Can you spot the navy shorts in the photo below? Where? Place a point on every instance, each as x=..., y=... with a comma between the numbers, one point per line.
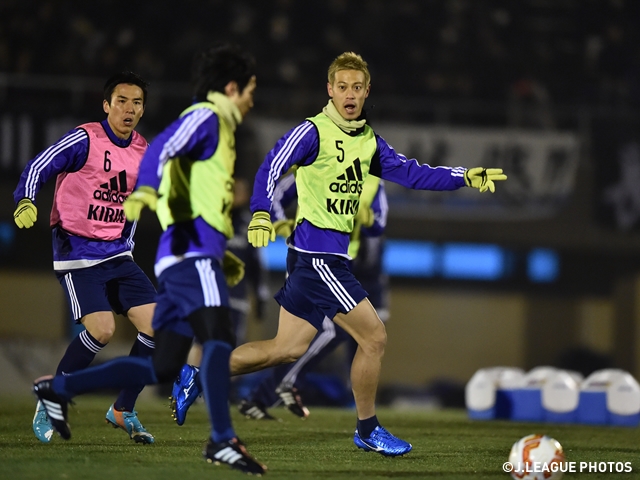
x=185, y=287
x=115, y=285
x=319, y=285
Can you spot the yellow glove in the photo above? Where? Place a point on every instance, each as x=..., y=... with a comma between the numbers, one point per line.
x=365, y=216
x=140, y=198
x=233, y=268
x=261, y=230
x=26, y=213
x=284, y=228
x=483, y=178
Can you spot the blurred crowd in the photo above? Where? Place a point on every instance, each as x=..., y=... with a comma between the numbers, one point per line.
x=560, y=51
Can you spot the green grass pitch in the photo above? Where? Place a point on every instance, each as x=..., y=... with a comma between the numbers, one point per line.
x=446, y=445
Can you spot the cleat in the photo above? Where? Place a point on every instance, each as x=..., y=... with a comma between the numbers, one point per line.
x=56, y=407
x=255, y=410
x=41, y=424
x=381, y=441
x=128, y=421
x=292, y=400
x=233, y=453
x=184, y=393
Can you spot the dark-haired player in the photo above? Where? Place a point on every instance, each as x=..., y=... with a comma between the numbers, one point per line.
x=96, y=167
x=187, y=177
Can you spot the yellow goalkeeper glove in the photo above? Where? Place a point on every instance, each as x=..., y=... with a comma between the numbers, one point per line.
x=365, y=216
x=261, y=230
x=140, y=198
x=483, y=178
x=233, y=268
x=26, y=213
x=284, y=228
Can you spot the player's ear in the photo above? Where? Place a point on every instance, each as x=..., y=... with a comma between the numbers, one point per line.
x=231, y=88
x=329, y=89
x=105, y=106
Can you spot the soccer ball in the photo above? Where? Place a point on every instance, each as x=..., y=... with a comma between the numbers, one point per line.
x=536, y=457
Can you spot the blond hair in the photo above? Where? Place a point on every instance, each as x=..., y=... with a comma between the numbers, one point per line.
x=349, y=61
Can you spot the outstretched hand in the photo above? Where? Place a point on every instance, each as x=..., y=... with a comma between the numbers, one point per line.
x=483, y=178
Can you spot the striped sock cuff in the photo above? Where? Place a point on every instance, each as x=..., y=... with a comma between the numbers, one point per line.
x=89, y=342
x=146, y=340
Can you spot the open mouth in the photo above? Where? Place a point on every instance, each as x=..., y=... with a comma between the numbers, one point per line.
x=350, y=108
x=128, y=121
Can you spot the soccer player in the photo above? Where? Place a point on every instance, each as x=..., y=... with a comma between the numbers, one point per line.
x=187, y=388
x=96, y=166
x=334, y=152
x=190, y=165
x=282, y=384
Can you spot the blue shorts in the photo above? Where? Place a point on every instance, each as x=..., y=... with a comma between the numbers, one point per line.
x=115, y=285
x=318, y=285
x=185, y=287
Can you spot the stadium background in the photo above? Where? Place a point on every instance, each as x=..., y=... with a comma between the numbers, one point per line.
x=547, y=89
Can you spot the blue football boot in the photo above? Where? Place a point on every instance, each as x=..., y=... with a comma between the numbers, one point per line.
x=383, y=442
x=128, y=421
x=41, y=424
x=184, y=393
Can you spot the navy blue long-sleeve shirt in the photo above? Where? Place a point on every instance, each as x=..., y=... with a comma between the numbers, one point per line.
x=194, y=136
x=300, y=147
x=69, y=154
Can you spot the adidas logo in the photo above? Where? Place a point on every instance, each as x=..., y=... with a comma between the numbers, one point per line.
x=114, y=189
x=351, y=180
x=228, y=455
x=113, y=182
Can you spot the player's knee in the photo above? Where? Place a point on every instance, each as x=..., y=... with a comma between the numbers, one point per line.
x=102, y=332
x=141, y=317
x=375, y=343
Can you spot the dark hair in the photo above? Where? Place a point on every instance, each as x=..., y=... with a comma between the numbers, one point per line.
x=215, y=67
x=129, y=78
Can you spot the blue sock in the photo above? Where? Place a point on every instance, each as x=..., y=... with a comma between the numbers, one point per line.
x=121, y=372
x=215, y=380
x=366, y=426
x=142, y=347
x=80, y=353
